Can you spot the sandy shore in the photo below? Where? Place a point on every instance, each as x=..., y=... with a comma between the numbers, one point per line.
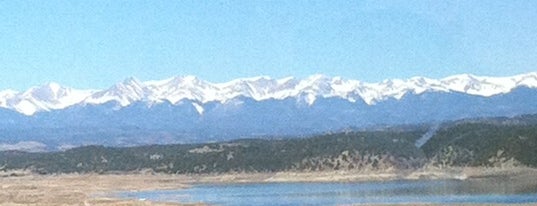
x=93, y=189
x=80, y=189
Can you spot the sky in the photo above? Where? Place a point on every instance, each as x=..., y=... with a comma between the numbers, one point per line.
x=96, y=43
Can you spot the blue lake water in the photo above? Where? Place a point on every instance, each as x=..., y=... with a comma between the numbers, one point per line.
x=390, y=192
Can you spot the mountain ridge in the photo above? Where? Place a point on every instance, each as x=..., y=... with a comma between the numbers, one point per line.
x=52, y=96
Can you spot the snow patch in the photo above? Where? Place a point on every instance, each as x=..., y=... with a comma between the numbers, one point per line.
x=199, y=108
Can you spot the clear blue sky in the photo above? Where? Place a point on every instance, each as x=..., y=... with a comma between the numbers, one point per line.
x=96, y=43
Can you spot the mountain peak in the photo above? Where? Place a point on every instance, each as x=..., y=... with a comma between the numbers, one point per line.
x=131, y=81
x=124, y=93
x=49, y=96
x=318, y=77
x=187, y=78
x=286, y=80
x=48, y=92
x=53, y=86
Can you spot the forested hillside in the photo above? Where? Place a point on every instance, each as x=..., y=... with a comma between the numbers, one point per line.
x=334, y=151
x=484, y=144
x=497, y=142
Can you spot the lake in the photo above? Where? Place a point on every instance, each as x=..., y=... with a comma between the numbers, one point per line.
x=390, y=192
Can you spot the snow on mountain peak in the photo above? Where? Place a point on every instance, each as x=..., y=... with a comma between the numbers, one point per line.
x=132, y=81
x=8, y=93
x=286, y=80
x=181, y=87
x=479, y=85
x=125, y=93
x=5, y=96
x=528, y=80
x=50, y=92
x=46, y=97
x=53, y=96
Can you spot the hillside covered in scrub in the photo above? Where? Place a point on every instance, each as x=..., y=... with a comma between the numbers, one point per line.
x=494, y=142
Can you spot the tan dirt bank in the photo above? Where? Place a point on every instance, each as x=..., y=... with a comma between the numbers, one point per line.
x=93, y=189
x=80, y=189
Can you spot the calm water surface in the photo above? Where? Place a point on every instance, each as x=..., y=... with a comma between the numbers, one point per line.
x=420, y=191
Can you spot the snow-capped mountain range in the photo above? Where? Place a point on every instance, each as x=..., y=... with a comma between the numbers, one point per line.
x=52, y=96
x=187, y=109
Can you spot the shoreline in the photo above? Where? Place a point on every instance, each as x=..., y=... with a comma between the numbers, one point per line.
x=97, y=189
